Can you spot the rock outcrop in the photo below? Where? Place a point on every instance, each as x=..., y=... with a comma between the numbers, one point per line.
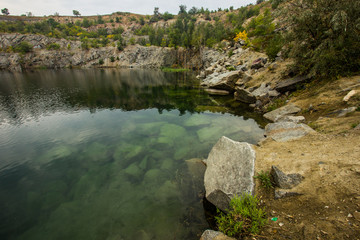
x=70, y=54
x=229, y=172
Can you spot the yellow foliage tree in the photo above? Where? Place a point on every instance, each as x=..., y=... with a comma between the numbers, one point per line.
x=241, y=35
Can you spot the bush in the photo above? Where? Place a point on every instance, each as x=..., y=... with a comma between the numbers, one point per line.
x=325, y=39
x=23, y=47
x=243, y=218
x=101, y=61
x=53, y=46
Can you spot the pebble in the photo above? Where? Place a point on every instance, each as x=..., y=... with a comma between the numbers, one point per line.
x=350, y=215
x=281, y=224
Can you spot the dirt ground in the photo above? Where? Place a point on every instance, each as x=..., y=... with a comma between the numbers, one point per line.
x=329, y=204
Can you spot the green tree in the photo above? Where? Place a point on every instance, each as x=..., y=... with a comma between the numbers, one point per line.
x=76, y=13
x=325, y=36
x=182, y=10
x=5, y=11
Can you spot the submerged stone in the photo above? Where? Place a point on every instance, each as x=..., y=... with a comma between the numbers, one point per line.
x=55, y=153
x=169, y=133
x=134, y=171
x=125, y=151
x=97, y=152
x=197, y=120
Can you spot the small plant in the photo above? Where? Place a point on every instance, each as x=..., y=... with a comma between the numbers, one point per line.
x=101, y=61
x=265, y=179
x=354, y=125
x=53, y=46
x=243, y=218
x=112, y=59
x=231, y=68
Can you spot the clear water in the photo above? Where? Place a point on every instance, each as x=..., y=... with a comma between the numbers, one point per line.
x=108, y=154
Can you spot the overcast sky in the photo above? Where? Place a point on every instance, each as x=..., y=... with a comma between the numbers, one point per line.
x=102, y=7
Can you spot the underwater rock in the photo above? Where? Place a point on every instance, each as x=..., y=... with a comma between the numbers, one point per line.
x=134, y=171
x=169, y=133
x=125, y=151
x=97, y=152
x=197, y=120
x=55, y=153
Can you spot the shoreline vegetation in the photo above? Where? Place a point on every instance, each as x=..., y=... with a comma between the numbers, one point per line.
x=275, y=54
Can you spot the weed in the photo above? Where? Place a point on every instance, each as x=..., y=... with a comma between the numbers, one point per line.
x=243, y=218
x=276, y=104
x=101, y=61
x=265, y=179
x=354, y=125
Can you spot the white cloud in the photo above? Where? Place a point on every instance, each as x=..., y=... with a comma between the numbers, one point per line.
x=94, y=7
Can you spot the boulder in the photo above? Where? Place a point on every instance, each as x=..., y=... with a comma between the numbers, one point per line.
x=244, y=96
x=214, y=235
x=279, y=113
x=343, y=112
x=287, y=131
x=285, y=181
x=291, y=84
x=245, y=78
x=258, y=63
x=229, y=172
x=262, y=91
x=217, y=92
x=225, y=81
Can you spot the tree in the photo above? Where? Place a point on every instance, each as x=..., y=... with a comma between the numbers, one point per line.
x=325, y=36
x=5, y=11
x=76, y=13
x=182, y=10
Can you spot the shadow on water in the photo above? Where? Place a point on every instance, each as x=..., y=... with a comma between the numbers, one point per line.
x=109, y=154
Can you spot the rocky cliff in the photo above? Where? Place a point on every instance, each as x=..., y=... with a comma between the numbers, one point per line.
x=70, y=54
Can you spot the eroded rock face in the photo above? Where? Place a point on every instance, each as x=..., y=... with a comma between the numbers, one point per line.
x=229, y=172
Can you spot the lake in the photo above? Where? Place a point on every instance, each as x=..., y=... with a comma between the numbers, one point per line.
x=109, y=154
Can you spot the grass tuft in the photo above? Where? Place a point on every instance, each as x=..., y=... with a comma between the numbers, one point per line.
x=243, y=218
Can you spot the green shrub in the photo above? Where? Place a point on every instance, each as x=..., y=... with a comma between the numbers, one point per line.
x=112, y=59
x=53, y=46
x=101, y=61
x=23, y=47
x=243, y=218
x=265, y=179
x=274, y=46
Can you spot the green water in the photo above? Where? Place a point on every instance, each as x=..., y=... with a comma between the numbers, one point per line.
x=108, y=154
